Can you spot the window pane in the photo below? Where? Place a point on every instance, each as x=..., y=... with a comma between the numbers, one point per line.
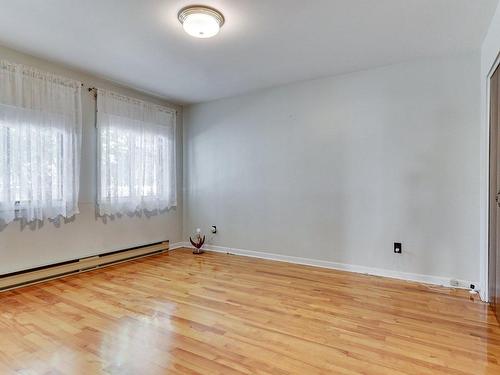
x=31, y=164
x=137, y=155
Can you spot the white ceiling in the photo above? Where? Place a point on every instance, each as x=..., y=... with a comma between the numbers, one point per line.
x=264, y=42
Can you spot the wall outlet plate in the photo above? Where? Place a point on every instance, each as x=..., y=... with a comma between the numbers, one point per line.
x=398, y=248
x=462, y=284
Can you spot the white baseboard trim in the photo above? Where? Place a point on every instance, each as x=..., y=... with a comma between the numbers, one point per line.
x=425, y=279
x=178, y=245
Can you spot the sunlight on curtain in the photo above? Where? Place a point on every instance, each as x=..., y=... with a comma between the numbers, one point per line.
x=137, y=169
x=40, y=134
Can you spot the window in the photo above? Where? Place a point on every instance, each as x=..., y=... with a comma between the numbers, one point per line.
x=40, y=126
x=17, y=176
x=136, y=155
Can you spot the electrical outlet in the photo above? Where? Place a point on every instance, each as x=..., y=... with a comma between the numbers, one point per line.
x=398, y=249
x=213, y=229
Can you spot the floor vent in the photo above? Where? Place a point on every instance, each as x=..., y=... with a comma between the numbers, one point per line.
x=40, y=274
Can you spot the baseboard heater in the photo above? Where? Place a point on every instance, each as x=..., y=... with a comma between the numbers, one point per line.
x=36, y=275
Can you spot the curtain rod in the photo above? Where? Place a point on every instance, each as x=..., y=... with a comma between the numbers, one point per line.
x=94, y=91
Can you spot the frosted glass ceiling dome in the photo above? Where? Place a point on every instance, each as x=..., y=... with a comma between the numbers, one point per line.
x=201, y=21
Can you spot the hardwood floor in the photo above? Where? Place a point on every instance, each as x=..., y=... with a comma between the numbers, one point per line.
x=224, y=314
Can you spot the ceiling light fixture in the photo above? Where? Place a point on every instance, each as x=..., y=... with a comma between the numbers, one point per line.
x=201, y=21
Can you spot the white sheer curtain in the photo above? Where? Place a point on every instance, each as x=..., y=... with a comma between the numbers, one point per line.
x=40, y=128
x=136, y=141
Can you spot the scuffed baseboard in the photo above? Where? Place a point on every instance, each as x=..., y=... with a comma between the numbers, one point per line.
x=426, y=279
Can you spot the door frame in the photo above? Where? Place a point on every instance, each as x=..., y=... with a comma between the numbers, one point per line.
x=485, y=190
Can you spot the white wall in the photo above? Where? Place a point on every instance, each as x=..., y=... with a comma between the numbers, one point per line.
x=86, y=234
x=489, y=53
x=339, y=168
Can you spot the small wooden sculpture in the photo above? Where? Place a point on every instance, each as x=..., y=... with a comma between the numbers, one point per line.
x=197, y=242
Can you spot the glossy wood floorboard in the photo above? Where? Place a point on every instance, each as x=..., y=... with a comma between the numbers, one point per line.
x=224, y=314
